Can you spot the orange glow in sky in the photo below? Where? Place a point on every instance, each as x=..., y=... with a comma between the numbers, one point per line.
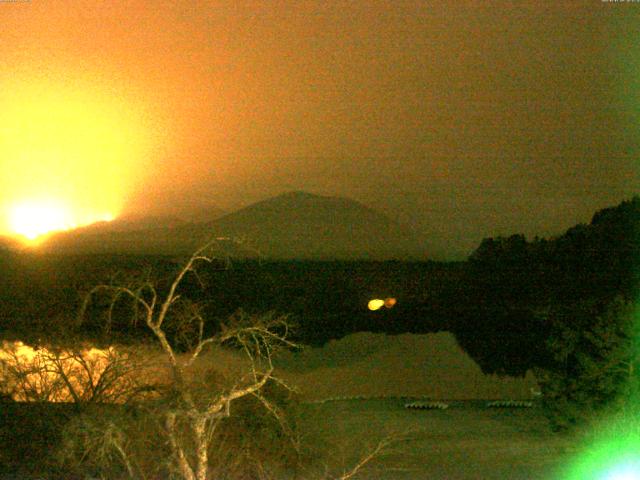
x=69, y=155
x=33, y=219
x=146, y=107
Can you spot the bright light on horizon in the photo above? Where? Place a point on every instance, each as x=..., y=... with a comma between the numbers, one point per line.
x=32, y=219
x=70, y=156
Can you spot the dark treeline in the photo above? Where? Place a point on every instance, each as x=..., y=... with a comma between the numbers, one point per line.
x=515, y=289
x=500, y=303
x=325, y=299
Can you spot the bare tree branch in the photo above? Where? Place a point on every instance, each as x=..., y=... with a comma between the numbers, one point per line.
x=191, y=416
x=380, y=448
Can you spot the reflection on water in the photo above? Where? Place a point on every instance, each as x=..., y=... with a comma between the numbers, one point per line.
x=73, y=374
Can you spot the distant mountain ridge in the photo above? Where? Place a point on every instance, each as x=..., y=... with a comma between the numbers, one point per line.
x=124, y=224
x=294, y=225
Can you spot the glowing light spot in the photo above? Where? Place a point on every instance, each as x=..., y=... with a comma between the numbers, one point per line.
x=390, y=302
x=624, y=471
x=33, y=219
x=615, y=456
x=69, y=155
x=375, y=304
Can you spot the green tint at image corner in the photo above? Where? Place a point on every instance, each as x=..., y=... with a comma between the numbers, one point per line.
x=613, y=453
x=611, y=459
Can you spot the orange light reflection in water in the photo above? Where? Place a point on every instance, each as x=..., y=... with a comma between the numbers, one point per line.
x=29, y=374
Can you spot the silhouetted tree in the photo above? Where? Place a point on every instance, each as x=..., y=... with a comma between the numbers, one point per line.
x=595, y=361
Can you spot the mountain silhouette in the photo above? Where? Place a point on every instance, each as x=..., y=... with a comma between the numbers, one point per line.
x=294, y=225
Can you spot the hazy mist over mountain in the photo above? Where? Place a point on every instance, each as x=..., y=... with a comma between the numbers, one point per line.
x=294, y=225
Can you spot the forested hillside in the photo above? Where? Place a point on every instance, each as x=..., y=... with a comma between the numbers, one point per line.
x=511, y=285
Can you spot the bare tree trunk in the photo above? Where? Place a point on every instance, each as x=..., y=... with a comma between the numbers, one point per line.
x=202, y=444
x=183, y=464
x=257, y=337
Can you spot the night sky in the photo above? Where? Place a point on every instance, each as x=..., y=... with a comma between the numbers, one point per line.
x=463, y=119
